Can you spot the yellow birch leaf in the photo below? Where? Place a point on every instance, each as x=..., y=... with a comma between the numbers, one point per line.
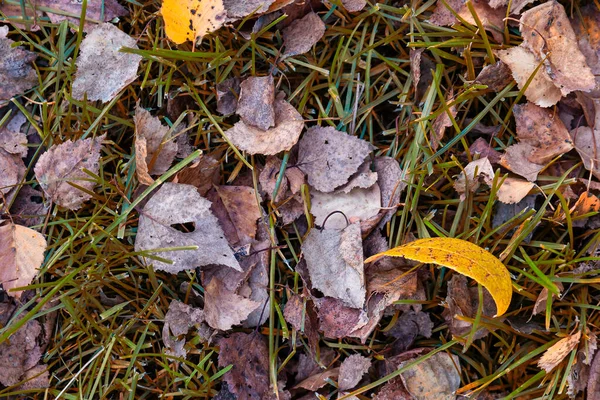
x=190, y=19
x=463, y=257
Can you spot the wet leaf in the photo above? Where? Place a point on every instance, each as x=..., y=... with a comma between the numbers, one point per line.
x=255, y=105
x=224, y=308
x=557, y=353
x=352, y=370
x=160, y=226
x=302, y=34
x=21, y=254
x=463, y=257
x=191, y=19
x=102, y=69
x=17, y=74
x=63, y=165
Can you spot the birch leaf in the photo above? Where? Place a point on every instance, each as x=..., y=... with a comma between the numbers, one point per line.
x=463, y=257
x=190, y=19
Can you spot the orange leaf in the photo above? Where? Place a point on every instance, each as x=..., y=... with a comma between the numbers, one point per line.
x=463, y=257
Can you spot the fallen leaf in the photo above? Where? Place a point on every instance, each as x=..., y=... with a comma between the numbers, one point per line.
x=255, y=105
x=490, y=18
x=495, y=76
x=516, y=159
x=390, y=179
x=203, y=174
x=409, y=326
x=540, y=302
x=239, y=213
x=555, y=354
x=309, y=365
x=513, y=190
x=13, y=171
x=593, y=384
x=587, y=144
x=37, y=377
x=393, y=390
x=228, y=92
x=335, y=263
x=302, y=34
x=482, y=147
x=191, y=19
x=357, y=205
x=224, y=308
x=442, y=121
x=268, y=179
x=240, y=9
x=471, y=177
x=12, y=140
x=174, y=205
x=585, y=25
x=319, y=380
x=102, y=69
x=285, y=134
x=352, y=370
x=464, y=257
x=436, y=378
x=17, y=74
x=354, y=5
x=363, y=178
x=95, y=11
x=256, y=287
x=302, y=316
x=28, y=207
x=336, y=320
x=586, y=203
x=515, y=7
x=21, y=254
x=27, y=15
x=179, y=319
x=154, y=149
x=329, y=157
x=62, y=166
x=21, y=353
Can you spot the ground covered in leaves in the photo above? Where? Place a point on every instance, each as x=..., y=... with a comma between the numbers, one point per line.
x=189, y=191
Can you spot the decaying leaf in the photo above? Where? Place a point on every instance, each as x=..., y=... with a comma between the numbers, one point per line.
x=352, y=370
x=240, y=9
x=63, y=165
x=495, y=76
x=318, y=380
x=191, y=19
x=12, y=140
x=516, y=159
x=513, y=190
x=228, y=92
x=555, y=354
x=484, y=149
x=179, y=319
x=593, y=384
x=587, y=144
x=303, y=317
x=354, y=5
x=21, y=254
x=463, y=257
x=337, y=320
x=586, y=203
x=330, y=157
x=28, y=207
x=491, y=19
x=255, y=105
x=284, y=135
x=302, y=34
x=393, y=390
x=471, y=177
x=16, y=75
x=96, y=10
x=585, y=24
x=335, y=262
x=172, y=206
x=237, y=211
x=13, y=170
x=410, y=325
x=20, y=354
x=154, y=149
x=102, y=70
x=203, y=174
x=436, y=378
x=224, y=308
x=515, y=7
x=359, y=204
x=442, y=122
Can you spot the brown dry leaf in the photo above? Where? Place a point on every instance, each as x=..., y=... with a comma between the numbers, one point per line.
x=179, y=319
x=302, y=34
x=587, y=144
x=330, y=157
x=228, y=93
x=593, y=384
x=96, y=10
x=224, y=308
x=15, y=12
x=21, y=254
x=471, y=177
x=285, y=134
x=516, y=159
x=393, y=390
x=191, y=19
x=16, y=75
x=515, y=7
x=540, y=302
x=37, y=377
x=241, y=9
x=268, y=179
x=491, y=19
x=495, y=76
x=160, y=226
x=255, y=105
x=513, y=190
x=154, y=149
x=21, y=353
x=239, y=214
x=12, y=140
x=102, y=70
x=363, y=178
x=482, y=147
x=436, y=378
x=555, y=354
x=357, y=205
x=354, y=5
x=63, y=165
x=336, y=320
x=203, y=174
x=303, y=317
x=13, y=171
x=390, y=179
x=352, y=370
x=28, y=207
x=442, y=122
x=256, y=286
x=334, y=259
x=318, y=380
x=585, y=24
x=410, y=325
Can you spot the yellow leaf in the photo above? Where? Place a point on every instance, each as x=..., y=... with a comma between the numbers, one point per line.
x=463, y=257
x=190, y=19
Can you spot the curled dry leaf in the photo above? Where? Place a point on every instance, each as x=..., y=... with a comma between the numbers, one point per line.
x=154, y=150
x=352, y=370
x=102, y=69
x=191, y=19
x=96, y=11
x=335, y=263
x=474, y=173
x=357, y=205
x=540, y=302
x=21, y=254
x=330, y=157
x=284, y=135
x=63, y=165
x=555, y=354
x=436, y=378
x=513, y=190
x=224, y=308
x=16, y=73
x=160, y=226
x=255, y=105
x=302, y=34
x=12, y=140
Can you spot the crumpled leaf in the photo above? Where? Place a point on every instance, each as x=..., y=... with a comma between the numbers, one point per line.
x=284, y=135
x=102, y=70
x=463, y=257
x=334, y=259
x=513, y=190
x=224, y=308
x=191, y=19
x=16, y=75
x=471, y=177
x=63, y=164
x=352, y=370
x=255, y=105
x=330, y=157
x=557, y=353
x=357, y=205
x=175, y=204
x=96, y=10
x=154, y=150
x=12, y=140
x=21, y=254
x=436, y=378
x=302, y=34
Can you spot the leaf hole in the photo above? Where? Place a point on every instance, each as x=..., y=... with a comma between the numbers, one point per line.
x=186, y=227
